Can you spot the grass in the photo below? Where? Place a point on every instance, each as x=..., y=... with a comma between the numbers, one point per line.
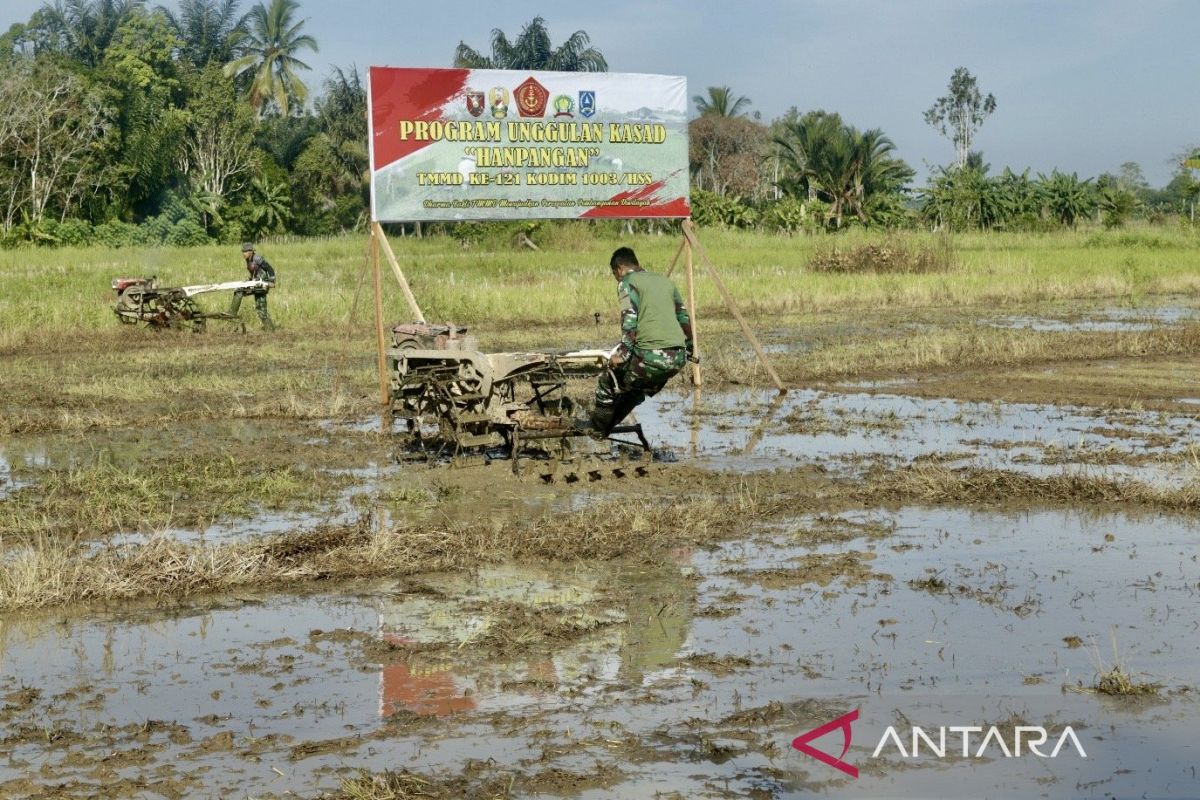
x=406, y=785
x=55, y=292
x=69, y=366
x=102, y=498
x=1115, y=680
x=50, y=571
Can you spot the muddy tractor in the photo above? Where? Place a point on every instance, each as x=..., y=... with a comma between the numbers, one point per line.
x=454, y=400
x=141, y=301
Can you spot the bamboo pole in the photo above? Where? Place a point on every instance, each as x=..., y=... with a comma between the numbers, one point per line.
x=380, y=339
x=692, y=310
x=733, y=307
x=382, y=241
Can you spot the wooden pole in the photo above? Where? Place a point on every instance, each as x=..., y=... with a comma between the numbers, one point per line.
x=733, y=308
x=362, y=279
x=693, y=311
x=380, y=339
x=381, y=241
x=675, y=260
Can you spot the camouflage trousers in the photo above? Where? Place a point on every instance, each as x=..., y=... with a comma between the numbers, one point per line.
x=625, y=387
x=260, y=306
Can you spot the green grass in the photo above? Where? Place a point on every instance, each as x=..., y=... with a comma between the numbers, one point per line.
x=101, y=498
x=56, y=292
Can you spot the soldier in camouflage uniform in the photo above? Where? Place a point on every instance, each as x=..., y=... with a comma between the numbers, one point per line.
x=260, y=270
x=656, y=341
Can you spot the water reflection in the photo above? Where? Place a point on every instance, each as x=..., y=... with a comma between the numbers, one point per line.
x=641, y=618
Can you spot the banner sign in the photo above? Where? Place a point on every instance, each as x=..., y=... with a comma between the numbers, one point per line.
x=459, y=144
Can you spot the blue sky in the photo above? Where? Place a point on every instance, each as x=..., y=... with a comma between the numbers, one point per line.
x=1080, y=85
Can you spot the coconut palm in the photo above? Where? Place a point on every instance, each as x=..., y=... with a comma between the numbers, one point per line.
x=269, y=47
x=84, y=28
x=823, y=157
x=533, y=50
x=207, y=29
x=720, y=102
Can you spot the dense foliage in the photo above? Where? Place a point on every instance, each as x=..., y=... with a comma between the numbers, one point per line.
x=125, y=123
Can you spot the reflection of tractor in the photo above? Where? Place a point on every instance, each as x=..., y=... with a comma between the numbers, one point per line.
x=454, y=398
x=142, y=300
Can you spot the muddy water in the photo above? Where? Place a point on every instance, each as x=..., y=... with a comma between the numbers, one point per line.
x=759, y=430
x=690, y=678
x=1107, y=319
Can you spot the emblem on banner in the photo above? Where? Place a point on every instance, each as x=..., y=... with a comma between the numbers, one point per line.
x=498, y=97
x=587, y=103
x=474, y=102
x=563, y=106
x=531, y=98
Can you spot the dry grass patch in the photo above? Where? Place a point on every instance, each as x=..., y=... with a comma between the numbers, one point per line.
x=47, y=571
x=894, y=254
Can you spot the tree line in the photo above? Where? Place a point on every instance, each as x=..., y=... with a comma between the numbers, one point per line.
x=122, y=123
x=812, y=171
x=126, y=123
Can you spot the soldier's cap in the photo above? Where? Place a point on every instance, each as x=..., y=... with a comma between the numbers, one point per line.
x=247, y=247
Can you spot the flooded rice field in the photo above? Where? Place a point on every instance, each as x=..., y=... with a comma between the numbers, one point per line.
x=686, y=679
x=803, y=627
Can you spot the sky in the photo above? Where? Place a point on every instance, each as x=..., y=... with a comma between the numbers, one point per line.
x=1080, y=85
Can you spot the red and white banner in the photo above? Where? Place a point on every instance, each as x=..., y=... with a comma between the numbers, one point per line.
x=458, y=144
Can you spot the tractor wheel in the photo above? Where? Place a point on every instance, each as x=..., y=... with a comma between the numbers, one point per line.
x=130, y=299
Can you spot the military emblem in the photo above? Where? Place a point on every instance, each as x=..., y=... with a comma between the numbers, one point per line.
x=587, y=103
x=531, y=98
x=498, y=98
x=563, y=106
x=474, y=102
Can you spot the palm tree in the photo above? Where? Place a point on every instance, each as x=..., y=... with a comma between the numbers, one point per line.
x=85, y=28
x=342, y=114
x=272, y=205
x=533, y=51
x=269, y=49
x=207, y=29
x=824, y=158
x=720, y=102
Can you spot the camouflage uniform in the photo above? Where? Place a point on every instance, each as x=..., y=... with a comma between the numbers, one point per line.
x=260, y=270
x=653, y=314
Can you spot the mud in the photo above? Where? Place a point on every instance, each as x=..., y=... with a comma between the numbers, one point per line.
x=785, y=574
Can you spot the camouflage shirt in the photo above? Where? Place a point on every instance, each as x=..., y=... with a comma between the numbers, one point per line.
x=653, y=316
x=260, y=269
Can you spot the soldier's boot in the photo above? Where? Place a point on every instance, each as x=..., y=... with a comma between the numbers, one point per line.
x=602, y=421
x=624, y=405
x=260, y=305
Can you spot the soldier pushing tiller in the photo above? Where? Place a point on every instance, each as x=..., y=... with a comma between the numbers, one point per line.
x=656, y=341
x=260, y=270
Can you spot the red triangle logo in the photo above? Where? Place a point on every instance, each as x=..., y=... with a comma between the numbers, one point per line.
x=801, y=743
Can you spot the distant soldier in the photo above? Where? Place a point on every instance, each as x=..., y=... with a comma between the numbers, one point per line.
x=260, y=270
x=656, y=341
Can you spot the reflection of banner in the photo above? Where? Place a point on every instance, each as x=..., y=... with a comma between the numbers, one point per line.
x=451, y=144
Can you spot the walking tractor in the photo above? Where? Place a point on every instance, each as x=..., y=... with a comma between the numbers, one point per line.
x=142, y=300
x=456, y=401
